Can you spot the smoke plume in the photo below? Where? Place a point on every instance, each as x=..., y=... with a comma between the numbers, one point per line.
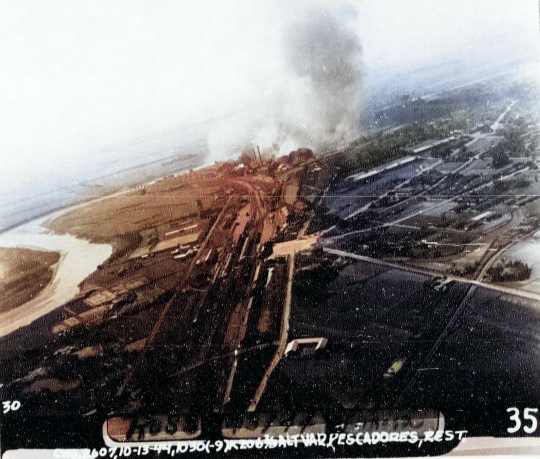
x=316, y=103
x=328, y=56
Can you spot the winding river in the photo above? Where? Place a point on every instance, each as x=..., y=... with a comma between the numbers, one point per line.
x=79, y=258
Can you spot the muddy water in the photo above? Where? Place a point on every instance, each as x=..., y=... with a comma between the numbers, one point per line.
x=79, y=258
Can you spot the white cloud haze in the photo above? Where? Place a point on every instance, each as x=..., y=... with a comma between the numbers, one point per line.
x=79, y=77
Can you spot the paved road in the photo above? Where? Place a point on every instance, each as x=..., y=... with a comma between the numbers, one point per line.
x=426, y=272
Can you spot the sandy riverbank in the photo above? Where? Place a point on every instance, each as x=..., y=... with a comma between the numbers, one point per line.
x=23, y=274
x=152, y=205
x=98, y=223
x=79, y=258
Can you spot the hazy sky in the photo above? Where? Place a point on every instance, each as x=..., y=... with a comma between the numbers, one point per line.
x=79, y=76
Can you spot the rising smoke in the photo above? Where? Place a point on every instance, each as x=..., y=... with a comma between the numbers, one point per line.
x=315, y=104
x=328, y=55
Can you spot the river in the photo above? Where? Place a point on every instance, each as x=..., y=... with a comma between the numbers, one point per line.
x=79, y=258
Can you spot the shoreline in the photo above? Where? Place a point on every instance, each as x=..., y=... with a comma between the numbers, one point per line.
x=10, y=317
x=45, y=214
x=64, y=285
x=54, y=296
x=82, y=200
x=24, y=273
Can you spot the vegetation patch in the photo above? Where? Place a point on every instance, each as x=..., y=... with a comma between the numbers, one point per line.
x=509, y=271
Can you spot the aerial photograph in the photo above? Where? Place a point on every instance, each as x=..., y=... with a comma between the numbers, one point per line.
x=269, y=228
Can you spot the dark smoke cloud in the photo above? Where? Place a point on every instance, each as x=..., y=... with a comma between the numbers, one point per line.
x=315, y=103
x=328, y=54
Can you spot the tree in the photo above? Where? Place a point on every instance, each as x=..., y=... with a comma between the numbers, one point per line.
x=500, y=159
